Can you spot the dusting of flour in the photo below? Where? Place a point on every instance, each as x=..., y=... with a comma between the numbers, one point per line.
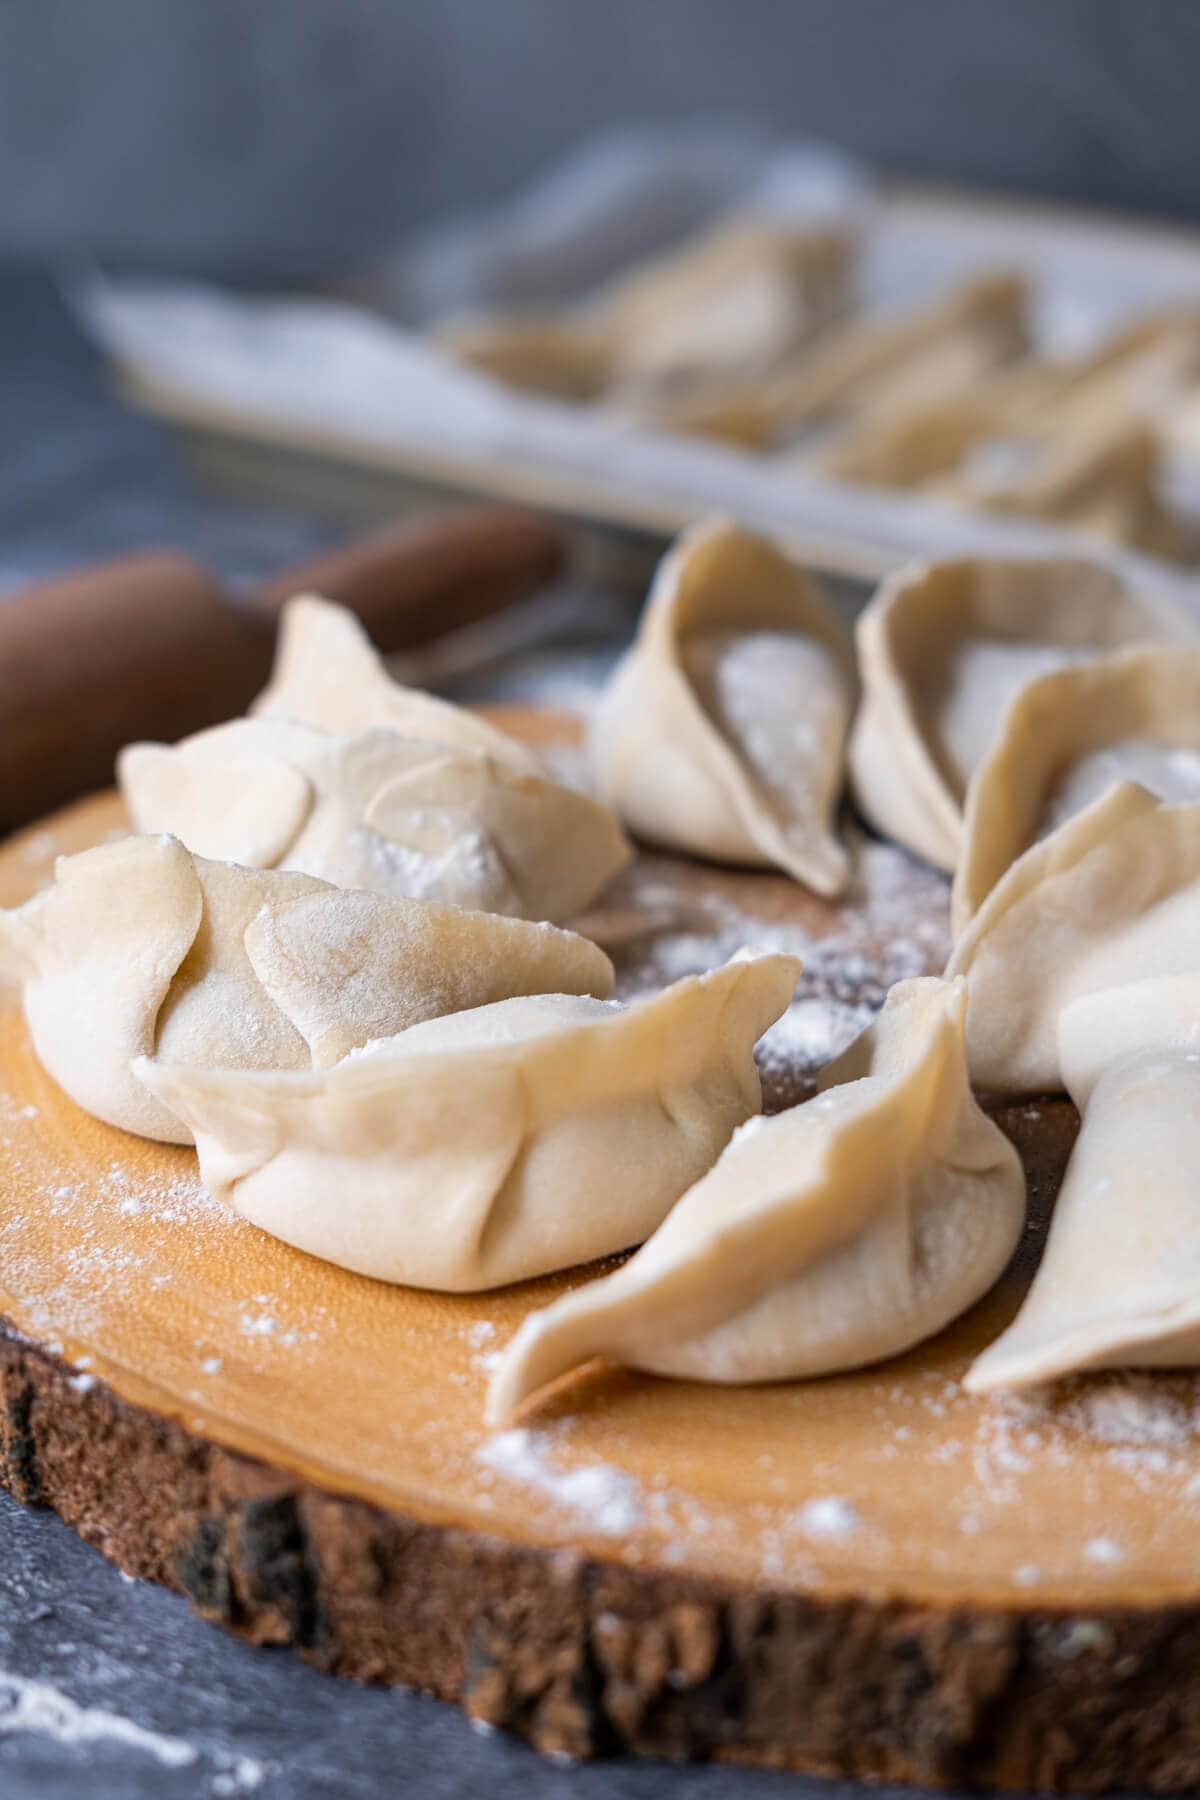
x=658, y=926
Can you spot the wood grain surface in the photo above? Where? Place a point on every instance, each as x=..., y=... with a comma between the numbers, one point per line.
x=873, y=1574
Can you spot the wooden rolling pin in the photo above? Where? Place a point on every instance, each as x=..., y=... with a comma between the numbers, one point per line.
x=150, y=646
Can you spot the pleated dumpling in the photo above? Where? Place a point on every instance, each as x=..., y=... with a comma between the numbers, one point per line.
x=907, y=447
x=1111, y=895
x=943, y=648
x=328, y=673
x=378, y=811
x=732, y=302
x=830, y=1236
x=538, y=352
x=1131, y=716
x=139, y=948
x=878, y=366
x=1104, y=478
x=722, y=731
x=492, y=1145
x=726, y=305
x=1119, y=1281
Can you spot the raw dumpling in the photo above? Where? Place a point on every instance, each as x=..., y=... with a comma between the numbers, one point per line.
x=943, y=648
x=540, y=353
x=833, y=1235
x=884, y=363
x=722, y=731
x=905, y=448
x=969, y=422
x=141, y=948
x=1065, y=739
x=1119, y=1282
x=731, y=410
x=492, y=1145
x=733, y=302
x=328, y=673
x=1110, y=896
x=1103, y=481
x=730, y=303
x=378, y=811
x=1141, y=368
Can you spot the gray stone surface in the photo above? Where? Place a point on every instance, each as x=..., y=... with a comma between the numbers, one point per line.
x=113, y=1690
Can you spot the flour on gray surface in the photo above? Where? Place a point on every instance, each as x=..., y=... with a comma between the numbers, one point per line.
x=245, y=1775
x=38, y=1707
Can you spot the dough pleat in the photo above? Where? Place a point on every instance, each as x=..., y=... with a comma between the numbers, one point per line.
x=722, y=732
x=1111, y=895
x=1066, y=737
x=944, y=648
x=833, y=1235
x=490, y=1146
x=1119, y=1281
x=379, y=811
x=140, y=949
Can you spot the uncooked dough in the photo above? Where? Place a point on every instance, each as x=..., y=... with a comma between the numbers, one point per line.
x=943, y=648
x=733, y=302
x=328, y=673
x=877, y=365
x=835, y=1234
x=378, y=811
x=1119, y=1282
x=727, y=305
x=140, y=948
x=1112, y=895
x=1065, y=739
x=722, y=731
x=494, y=1145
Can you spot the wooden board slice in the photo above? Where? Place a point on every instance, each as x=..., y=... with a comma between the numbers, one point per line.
x=872, y=1575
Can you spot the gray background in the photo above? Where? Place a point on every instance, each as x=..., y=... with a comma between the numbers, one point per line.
x=269, y=138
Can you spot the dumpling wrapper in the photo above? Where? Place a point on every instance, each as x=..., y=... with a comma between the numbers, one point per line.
x=328, y=673
x=830, y=1236
x=495, y=1145
x=1119, y=1281
x=1065, y=739
x=1141, y=368
x=539, y=353
x=380, y=812
x=731, y=409
x=721, y=733
x=731, y=301
x=906, y=447
x=1081, y=451
x=944, y=647
x=734, y=300
x=141, y=949
x=882, y=363
x=1105, y=480
x=1111, y=896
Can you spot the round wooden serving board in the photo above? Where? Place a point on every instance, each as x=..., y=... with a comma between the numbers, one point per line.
x=872, y=1575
